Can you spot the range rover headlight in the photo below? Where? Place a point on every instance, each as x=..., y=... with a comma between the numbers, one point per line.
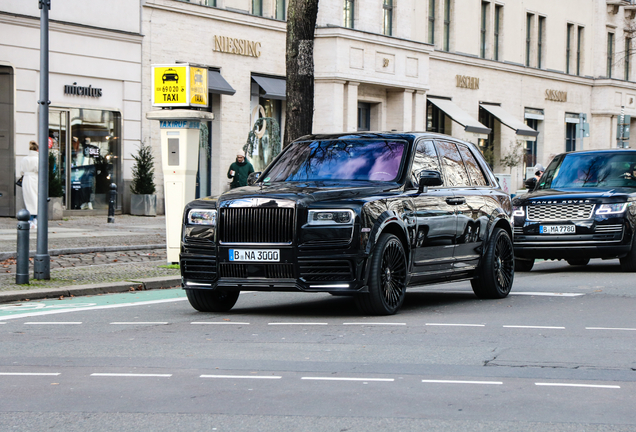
x=330, y=217
x=611, y=208
x=518, y=211
x=202, y=217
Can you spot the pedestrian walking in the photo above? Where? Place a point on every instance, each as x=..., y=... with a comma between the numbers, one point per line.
x=239, y=171
x=29, y=169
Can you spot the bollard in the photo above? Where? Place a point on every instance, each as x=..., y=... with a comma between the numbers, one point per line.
x=22, y=260
x=111, y=203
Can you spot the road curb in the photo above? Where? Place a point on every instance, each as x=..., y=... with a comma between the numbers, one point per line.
x=69, y=251
x=92, y=289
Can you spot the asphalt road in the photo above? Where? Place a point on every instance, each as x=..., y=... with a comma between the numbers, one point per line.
x=557, y=355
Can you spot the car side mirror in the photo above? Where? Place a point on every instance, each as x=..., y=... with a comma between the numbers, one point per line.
x=429, y=178
x=251, y=179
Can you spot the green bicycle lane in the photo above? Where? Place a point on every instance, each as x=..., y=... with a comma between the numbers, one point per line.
x=33, y=308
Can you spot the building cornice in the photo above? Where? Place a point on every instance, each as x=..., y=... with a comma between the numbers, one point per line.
x=373, y=38
x=71, y=28
x=218, y=14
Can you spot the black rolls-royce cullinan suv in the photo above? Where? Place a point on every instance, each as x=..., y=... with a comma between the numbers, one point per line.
x=581, y=208
x=364, y=214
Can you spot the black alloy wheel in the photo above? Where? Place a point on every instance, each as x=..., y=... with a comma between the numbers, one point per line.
x=216, y=300
x=387, y=279
x=578, y=261
x=523, y=265
x=497, y=271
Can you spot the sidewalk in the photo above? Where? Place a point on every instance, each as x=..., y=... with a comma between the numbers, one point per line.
x=91, y=256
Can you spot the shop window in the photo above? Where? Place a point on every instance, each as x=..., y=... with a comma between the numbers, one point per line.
x=435, y=119
x=86, y=147
x=257, y=7
x=610, y=54
x=281, y=10
x=364, y=116
x=571, y=120
x=387, y=17
x=498, y=31
x=530, y=156
x=447, y=25
x=431, y=21
x=348, y=12
x=487, y=145
x=264, y=139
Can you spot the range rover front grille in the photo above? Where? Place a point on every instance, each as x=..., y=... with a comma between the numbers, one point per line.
x=268, y=271
x=325, y=271
x=560, y=212
x=256, y=225
x=199, y=268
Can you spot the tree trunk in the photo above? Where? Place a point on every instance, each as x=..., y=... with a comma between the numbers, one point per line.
x=299, y=55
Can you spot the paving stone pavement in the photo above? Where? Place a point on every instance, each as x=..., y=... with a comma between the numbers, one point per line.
x=85, y=233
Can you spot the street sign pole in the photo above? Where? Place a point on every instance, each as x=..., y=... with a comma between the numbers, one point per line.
x=42, y=260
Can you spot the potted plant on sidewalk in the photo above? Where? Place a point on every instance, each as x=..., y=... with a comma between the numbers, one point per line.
x=143, y=200
x=56, y=190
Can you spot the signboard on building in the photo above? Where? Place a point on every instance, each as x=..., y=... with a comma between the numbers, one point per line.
x=179, y=85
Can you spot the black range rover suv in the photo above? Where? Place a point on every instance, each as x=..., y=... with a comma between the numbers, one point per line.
x=581, y=208
x=363, y=214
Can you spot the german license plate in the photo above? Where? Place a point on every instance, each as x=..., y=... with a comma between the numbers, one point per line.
x=557, y=229
x=255, y=255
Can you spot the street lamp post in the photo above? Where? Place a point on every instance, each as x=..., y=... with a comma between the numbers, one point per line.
x=42, y=261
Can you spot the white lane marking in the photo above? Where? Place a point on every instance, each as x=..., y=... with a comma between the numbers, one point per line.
x=462, y=382
x=297, y=323
x=29, y=374
x=143, y=303
x=130, y=375
x=51, y=323
x=547, y=294
x=241, y=376
x=578, y=385
x=456, y=325
x=534, y=327
x=221, y=322
x=138, y=322
x=610, y=328
x=374, y=324
x=348, y=379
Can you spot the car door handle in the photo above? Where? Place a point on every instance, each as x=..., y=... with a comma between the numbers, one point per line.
x=456, y=200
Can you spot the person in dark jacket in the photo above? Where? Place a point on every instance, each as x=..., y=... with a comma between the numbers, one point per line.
x=239, y=170
x=531, y=183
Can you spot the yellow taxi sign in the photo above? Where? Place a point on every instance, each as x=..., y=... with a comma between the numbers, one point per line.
x=179, y=85
x=198, y=86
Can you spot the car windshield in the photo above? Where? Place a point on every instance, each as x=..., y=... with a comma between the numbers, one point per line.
x=363, y=160
x=585, y=170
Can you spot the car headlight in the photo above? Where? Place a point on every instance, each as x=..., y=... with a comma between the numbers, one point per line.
x=611, y=208
x=202, y=217
x=518, y=211
x=330, y=217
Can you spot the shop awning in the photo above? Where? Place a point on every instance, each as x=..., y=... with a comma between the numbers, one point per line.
x=509, y=120
x=218, y=85
x=274, y=88
x=460, y=116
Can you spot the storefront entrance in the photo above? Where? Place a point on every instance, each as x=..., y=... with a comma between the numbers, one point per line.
x=85, y=155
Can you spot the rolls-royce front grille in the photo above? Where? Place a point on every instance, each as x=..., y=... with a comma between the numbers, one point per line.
x=268, y=271
x=560, y=212
x=256, y=225
x=325, y=271
x=199, y=268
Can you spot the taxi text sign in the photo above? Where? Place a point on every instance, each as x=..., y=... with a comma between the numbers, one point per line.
x=198, y=86
x=179, y=85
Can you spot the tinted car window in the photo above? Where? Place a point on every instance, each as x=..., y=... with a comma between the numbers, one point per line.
x=370, y=160
x=425, y=159
x=474, y=171
x=454, y=170
x=584, y=170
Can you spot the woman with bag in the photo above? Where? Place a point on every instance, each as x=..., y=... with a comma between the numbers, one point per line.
x=29, y=171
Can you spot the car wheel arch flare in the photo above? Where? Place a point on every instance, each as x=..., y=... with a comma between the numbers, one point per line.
x=397, y=230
